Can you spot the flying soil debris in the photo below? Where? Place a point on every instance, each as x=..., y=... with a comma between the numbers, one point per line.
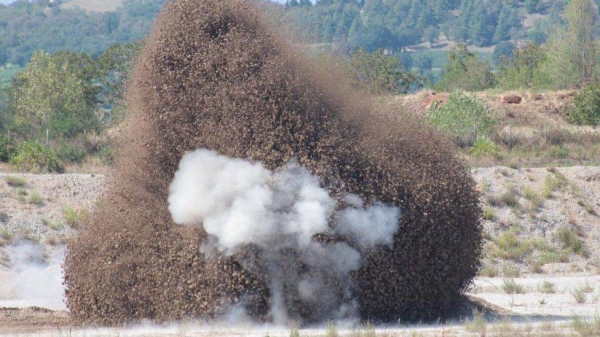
x=316, y=167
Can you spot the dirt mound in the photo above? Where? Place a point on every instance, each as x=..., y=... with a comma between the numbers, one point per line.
x=214, y=76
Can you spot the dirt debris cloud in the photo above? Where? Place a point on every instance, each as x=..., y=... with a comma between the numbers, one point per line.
x=214, y=75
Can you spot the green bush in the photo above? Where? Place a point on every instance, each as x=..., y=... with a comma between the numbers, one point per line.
x=70, y=153
x=106, y=154
x=571, y=242
x=35, y=157
x=484, y=147
x=587, y=107
x=7, y=149
x=465, y=118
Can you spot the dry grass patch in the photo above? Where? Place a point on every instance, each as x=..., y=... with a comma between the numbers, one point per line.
x=547, y=287
x=535, y=200
x=489, y=213
x=571, y=242
x=73, y=217
x=509, y=246
x=477, y=324
x=489, y=271
x=509, y=286
x=586, y=327
x=13, y=181
x=579, y=295
x=510, y=270
x=36, y=199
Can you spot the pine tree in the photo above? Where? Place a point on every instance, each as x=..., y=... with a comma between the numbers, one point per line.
x=480, y=29
x=531, y=6
x=503, y=28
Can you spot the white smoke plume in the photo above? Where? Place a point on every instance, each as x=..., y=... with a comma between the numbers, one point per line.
x=33, y=278
x=244, y=206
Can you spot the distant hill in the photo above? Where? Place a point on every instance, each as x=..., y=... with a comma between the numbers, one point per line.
x=29, y=26
x=94, y=5
x=409, y=27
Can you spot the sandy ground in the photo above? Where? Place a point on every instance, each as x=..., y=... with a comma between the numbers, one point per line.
x=30, y=262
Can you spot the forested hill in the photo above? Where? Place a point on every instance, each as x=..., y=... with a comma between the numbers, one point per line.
x=396, y=24
x=40, y=25
x=26, y=26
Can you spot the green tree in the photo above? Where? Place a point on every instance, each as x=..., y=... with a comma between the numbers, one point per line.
x=502, y=32
x=587, y=106
x=431, y=35
x=503, y=50
x=573, y=51
x=482, y=26
x=532, y=6
x=56, y=93
x=464, y=71
x=381, y=73
x=112, y=68
x=524, y=69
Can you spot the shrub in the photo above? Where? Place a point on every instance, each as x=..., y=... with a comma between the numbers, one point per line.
x=489, y=214
x=534, y=198
x=511, y=287
x=70, y=153
x=510, y=270
x=73, y=217
x=36, y=199
x=484, y=147
x=477, y=324
x=547, y=287
x=586, y=327
x=571, y=242
x=7, y=149
x=553, y=181
x=465, y=119
x=106, y=154
x=6, y=234
x=587, y=106
x=579, y=295
x=489, y=271
x=511, y=247
x=35, y=157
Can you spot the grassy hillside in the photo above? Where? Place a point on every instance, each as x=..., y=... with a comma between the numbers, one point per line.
x=94, y=5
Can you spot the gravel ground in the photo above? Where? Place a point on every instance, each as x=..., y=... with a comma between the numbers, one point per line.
x=35, y=215
x=574, y=204
x=36, y=210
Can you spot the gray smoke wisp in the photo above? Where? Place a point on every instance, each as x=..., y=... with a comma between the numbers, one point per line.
x=282, y=224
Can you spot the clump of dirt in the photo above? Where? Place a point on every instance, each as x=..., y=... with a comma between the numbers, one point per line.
x=214, y=75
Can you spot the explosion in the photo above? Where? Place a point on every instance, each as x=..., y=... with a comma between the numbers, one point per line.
x=252, y=177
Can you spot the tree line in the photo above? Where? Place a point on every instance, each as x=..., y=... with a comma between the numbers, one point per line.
x=397, y=24
x=28, y=26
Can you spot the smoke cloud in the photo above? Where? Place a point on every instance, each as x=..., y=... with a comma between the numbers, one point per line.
x=34, y=278
x=282, y=224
